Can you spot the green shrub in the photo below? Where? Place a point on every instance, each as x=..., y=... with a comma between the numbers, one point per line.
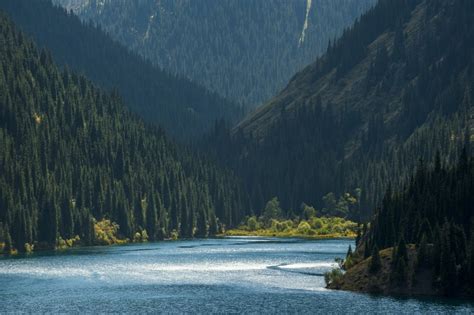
x=252, y=224
x=333, y=277
x=137, y=237
x=272, y=210
x=308, y=212
x=290, y=224
x=144, y=236
x=323, y=231
x=174, y=235
x=304, y=227
x=316, y=223
x=338, y=229
x=349, y=262
x=106, y=232
x=29, y=248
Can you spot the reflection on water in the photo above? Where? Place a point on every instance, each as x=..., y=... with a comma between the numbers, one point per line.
x=216, y=275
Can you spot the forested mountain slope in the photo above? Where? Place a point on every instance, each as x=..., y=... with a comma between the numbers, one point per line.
x=184, y=109
x=245, y=50
x=71, y=154
x=396, y=87
x=435, y=212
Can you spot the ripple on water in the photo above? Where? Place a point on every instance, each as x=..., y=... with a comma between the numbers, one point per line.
x=220, y=275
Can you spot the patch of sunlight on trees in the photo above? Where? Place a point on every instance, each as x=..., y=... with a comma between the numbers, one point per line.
x=37, y=117
x=105, y=232
x=64, y=243
x=311, y=223
x=140, y=237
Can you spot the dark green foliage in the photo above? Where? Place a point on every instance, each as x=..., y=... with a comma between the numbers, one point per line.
x=358, y=237
x=7, y=240
x=183, y=108
x=375, y=262
x=349, y=251
x=271, y=211
x=470, y=262
x=444, y=196
x=402, y=253
x=448, y=276
x=244, y=50
x=423, y=259
x=360, y=116
x=399, y=273
x=71, y=153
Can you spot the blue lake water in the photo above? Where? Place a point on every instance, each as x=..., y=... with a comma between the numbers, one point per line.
x=229, y=275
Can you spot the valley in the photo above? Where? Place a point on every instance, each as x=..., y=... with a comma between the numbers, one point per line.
x=237, y=156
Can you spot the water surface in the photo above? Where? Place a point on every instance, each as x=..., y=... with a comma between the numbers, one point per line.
x=232, y=275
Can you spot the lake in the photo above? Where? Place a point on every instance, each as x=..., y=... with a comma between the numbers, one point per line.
x=231, y=275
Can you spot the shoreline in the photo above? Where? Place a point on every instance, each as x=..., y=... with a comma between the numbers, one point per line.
x=44, y=249
x=269, y=233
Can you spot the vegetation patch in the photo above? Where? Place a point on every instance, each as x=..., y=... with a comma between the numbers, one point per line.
x=309, y=225
x=106, y=233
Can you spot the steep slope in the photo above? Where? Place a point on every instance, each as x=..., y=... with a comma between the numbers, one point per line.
x=245, y=50
x=435, y=211
x=396, y=87
x=71, y=153
x=184, y=109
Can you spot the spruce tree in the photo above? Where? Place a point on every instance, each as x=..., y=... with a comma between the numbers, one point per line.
x=422, y=253
x=375, y=262
x=349, y=251
x=402, y=253
x=470, y=261
x=401, y=272
x=8, y=240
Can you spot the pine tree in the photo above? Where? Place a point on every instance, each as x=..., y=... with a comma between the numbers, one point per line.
x=349, y=252
x=401, y=272
x=358, y=237
x=402, y=253
x=201, y=225
x=449, y=277
x=151, y=218
x=470, y=261
x=366, y=250
x=375, y=262
x=213, y=225
x=422, y=253
x=8, y=240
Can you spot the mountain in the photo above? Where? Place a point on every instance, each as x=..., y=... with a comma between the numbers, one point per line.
x=73, y=155
x=185, y=109
x=244, y=50
x=396, y=87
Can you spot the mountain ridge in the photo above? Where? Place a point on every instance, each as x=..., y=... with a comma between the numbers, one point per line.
x=185, y=109
x=394, y=88
x=243, y=50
